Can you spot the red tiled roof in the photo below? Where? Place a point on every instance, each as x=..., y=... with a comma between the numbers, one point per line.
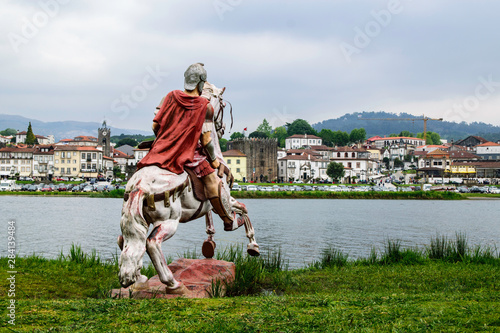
x=233, y=153
x=396, y=138
x=85, y=138
x=488, y=144
x=119, y=154
x=322, y=147
x=22, y=133
x=433, y=146
x=18, y=149
x=88, y=148
x=438, y=152
x=303, y=136
x=462, y=154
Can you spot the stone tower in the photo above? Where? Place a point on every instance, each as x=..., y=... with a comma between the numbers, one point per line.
x=104, y=139
x=262, y=157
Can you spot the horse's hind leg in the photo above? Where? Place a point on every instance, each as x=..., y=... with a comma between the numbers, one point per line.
x=208, y=248
x=161, y=233
x=252, y=247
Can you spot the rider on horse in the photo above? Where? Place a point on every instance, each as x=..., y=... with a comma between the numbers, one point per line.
x=183, y=127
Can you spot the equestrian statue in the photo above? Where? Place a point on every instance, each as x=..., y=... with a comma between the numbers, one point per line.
x=183, y=177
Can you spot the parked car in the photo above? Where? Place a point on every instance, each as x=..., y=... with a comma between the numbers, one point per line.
x=46, y=188
x=495, y=190
x=251, y=188
x=88, y=188
x=236, y=187
x=33, y=188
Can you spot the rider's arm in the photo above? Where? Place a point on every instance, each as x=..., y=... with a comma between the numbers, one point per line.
x=206, y=138
x=155, y=127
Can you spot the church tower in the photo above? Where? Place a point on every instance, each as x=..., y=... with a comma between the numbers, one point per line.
x=104, y=139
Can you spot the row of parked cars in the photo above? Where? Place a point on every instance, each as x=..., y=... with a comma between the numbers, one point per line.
x=332, y=188
x=479, y=189
x=84, y=187
x=367, y=188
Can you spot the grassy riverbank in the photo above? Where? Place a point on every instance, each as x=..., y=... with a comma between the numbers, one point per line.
x=418, y=195
x=445, y=287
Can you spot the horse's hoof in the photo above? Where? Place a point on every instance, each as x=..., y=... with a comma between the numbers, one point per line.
x=253, y=250
x=180, y=290
x=208, y=249
x=140, y=284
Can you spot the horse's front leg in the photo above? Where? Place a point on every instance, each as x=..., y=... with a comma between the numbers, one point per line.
x=163, y=231
x=252, y=247
x=208, y=248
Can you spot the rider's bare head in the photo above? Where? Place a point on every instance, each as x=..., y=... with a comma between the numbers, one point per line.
x=195, y=76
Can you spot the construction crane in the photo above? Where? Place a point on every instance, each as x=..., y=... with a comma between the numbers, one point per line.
x=424, y=118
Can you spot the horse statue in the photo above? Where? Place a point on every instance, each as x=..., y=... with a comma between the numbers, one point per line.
x=158, y=197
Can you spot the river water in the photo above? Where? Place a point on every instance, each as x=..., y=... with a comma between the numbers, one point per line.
x=48, y=226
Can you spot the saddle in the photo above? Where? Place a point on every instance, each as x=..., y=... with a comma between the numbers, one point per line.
x=195, y=182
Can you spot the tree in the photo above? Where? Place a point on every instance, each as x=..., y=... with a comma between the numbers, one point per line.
x=300, y=126
x=432, y=138
x=328, y=137
x=280, y=134
x=30, y=137
x=257, y=134
x=407, y=134
x=265, y=128
x=127, y=141
x=398, y=163
x=236, y=135
x=8, y=132
x=357, y=135
x=341, y=138
x=117, y=172
x=386, y=161
x=335, y=170
x=223, y=144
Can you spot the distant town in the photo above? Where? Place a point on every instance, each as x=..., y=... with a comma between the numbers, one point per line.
x=293, y=154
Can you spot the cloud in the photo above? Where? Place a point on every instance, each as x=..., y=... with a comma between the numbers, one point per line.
x=274, y=58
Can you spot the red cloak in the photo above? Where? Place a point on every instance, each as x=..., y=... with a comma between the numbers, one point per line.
x=181, y=119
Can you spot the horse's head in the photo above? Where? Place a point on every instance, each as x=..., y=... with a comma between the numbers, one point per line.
x=133, y=246
x=214, y=95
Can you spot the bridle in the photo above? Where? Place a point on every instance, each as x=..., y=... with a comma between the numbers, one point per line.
x=219, y=117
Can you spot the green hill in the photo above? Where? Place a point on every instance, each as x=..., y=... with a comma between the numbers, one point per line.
x=448, y=130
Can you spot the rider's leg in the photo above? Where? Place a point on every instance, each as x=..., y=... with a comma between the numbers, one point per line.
x=215, y=192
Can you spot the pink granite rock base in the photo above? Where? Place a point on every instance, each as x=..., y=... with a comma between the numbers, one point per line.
x=196, y=274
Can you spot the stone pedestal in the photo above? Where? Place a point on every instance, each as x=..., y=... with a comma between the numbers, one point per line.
x=196, y=275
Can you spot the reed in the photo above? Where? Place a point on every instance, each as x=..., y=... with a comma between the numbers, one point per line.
x=331, y=257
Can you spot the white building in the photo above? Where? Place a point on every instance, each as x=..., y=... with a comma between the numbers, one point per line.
x=357, y=162
x=302, y=140
x=139, y=154
x=380, y=142
x=488, y=151
x=5, y=139
x=301, y=167
x=43, y=161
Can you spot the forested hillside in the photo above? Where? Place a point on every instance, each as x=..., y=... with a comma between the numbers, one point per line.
x=447, y=130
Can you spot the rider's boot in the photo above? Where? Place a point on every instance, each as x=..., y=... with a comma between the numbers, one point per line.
x=220, y=200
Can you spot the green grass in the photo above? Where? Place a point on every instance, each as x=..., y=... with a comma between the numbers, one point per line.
x=111, y=194
x=402, y=290
x=418, y=195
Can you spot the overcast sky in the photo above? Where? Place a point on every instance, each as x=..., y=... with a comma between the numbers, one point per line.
x=279, y=60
